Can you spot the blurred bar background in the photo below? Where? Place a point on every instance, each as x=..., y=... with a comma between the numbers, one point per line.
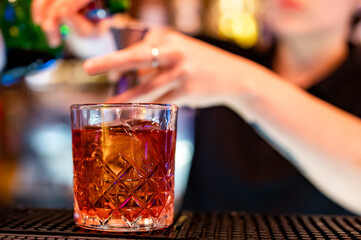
x=39, y=83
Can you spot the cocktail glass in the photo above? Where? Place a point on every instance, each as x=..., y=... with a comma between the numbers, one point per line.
x=123, y=157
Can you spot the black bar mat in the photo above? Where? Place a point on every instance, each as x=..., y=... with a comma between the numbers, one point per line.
x=49, y=224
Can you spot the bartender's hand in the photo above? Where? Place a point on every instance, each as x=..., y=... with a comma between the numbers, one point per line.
x=49, y=14
x=190, y=72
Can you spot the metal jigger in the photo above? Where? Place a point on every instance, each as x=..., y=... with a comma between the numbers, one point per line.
x=124, y=37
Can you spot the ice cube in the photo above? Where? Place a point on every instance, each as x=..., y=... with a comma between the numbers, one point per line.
x=94, y=118
x=137, y=124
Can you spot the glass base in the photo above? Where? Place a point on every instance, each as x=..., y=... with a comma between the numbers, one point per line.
x=123, y=225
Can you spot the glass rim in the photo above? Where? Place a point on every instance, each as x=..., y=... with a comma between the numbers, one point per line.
x=129, y=105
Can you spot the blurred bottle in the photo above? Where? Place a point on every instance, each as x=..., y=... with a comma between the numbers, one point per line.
x=25, y=41
x=18, y=28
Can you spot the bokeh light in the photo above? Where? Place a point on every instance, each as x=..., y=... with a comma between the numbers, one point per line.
x=237, y=21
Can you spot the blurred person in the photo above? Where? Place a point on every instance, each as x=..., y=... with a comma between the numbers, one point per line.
x=307, y=108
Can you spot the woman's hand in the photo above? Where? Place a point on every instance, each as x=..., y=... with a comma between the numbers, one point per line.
x=190, y=72
x=49, y=14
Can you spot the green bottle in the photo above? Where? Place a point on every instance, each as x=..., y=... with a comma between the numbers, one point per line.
x=18, y=29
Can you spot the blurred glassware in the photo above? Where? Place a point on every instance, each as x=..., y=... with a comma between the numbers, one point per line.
x=124, y=36
x=2, y=52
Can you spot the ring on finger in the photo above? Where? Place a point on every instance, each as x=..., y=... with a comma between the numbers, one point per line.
x=155, y=60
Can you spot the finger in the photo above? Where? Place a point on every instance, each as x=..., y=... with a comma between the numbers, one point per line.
x=194, y=100
x=38, y=10
x=52, y=33
x=191, y=101
x=81, y=25
x=148, y=74
x=75, y=6
x=135, y=57
x=57, y=12
x=104, y=26
x=170, y=97
x=144, y=75
x=114, y=76
x=152, y=90
x=65, y=8
x=59, y=8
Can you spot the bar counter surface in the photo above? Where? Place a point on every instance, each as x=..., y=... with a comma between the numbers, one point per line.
x=54, y=224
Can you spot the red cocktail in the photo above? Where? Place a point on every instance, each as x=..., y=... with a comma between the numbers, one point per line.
x=124, y=169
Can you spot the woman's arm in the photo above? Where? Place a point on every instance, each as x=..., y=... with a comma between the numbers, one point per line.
x=322, y=141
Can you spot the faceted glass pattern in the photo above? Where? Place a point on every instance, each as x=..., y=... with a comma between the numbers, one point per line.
x=124, y=176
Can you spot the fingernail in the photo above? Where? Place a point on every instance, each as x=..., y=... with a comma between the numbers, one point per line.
x=46, y=25
x=54, y=42
x=113, y=76
x=87, y=66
